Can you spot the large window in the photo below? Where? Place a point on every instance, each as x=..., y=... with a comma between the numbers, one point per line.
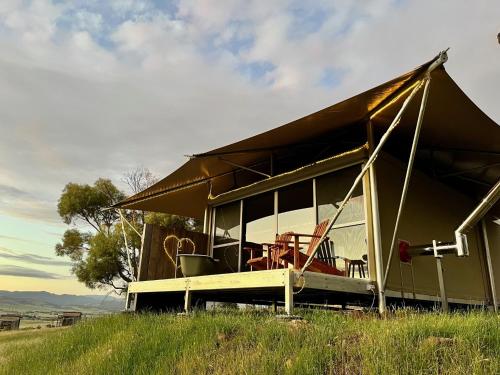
x=259, y=219
x=227, y=223
x=348, y=234
x=296, y=208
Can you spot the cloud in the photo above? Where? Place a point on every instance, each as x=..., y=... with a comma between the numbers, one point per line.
x=12, y=192
x=21, y=239
x=9, y=270
x=31, y=258
x=93, y=89
x=24, y=204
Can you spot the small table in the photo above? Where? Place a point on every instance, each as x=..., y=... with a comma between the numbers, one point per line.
x=351, y=267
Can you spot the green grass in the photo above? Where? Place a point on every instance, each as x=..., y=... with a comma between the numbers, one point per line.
x=233, y=342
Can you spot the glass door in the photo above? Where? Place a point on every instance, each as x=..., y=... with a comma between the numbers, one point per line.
x=227, y=235
x=348, y=234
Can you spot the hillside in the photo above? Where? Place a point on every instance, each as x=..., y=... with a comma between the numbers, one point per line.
x=45, y=301
x=232, y=342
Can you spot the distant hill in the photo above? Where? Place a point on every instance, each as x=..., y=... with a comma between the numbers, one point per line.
x=45, y=301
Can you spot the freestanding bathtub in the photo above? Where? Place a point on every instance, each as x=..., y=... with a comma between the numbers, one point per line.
x=197, y=264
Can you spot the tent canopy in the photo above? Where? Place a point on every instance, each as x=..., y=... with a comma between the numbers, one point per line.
x=458, y=144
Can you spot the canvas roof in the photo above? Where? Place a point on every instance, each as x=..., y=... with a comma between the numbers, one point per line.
x=458, y=143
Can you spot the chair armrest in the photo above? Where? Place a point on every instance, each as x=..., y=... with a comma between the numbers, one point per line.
x=250, y=248
x=291, y=241
x=305, y=235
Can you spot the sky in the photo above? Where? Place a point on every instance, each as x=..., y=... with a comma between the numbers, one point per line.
x=94, y=88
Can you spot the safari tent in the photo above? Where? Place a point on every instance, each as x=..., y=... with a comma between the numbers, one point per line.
x=386, y=197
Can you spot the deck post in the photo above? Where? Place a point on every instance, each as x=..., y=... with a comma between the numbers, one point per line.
x=240, y=246
x=288, y=281
x=274, y=306
x=187, y=300
x=127, y=302
x=490, y=265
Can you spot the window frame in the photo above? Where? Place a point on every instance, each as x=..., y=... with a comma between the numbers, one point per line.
x=275, y=190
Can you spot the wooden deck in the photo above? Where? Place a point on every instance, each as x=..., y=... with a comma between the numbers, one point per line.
x=282, y=286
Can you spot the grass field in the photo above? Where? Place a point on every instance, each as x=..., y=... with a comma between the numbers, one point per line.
x=234, y=342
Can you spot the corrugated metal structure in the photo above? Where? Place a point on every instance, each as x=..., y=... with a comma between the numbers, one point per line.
x=9, y=322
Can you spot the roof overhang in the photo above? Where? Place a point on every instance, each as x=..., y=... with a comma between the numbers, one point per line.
x=458, y=142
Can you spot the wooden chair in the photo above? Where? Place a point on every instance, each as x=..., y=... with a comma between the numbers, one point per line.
x=299, y=259
x=272, y=259
x=326, y=253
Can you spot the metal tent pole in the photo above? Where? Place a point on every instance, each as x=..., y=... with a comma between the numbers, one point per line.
x=126, y=246
x=377, y=237
x=131, y=226
x=442, y=289
x=409, y=169
x=370, y=161
x=488, y=201
x=490, y=266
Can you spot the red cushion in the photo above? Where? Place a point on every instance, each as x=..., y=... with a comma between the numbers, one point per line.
x=403, y=251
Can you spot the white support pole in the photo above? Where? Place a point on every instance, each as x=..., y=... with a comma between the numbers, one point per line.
x=406, y=184
x=289, y=279
x=442, y=289
x=488, y=201
x=205, y=220
x=490, y=265
x=377, y=241
x=187, y=299
x=131, y=226
x=377, y=237
x=240, y=246
x=132, y=273
x=143, y=236
x=127, y=301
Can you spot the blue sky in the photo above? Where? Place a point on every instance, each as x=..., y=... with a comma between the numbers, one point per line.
x=93, y=89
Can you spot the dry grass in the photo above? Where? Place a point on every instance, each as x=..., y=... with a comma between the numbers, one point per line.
x=232, y=342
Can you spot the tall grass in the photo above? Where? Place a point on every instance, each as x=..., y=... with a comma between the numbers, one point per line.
x=234, y=342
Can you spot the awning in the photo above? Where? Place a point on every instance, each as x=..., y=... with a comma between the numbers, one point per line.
x=457, y=137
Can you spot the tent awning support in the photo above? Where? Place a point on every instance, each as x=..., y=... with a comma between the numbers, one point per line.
x=477, y=214
x=440, y=59
x=407, y=177
x=375, y=214
x=129, y=261
x=365, y=168
x=442, y=289
x=243, y=167
x=490, y=266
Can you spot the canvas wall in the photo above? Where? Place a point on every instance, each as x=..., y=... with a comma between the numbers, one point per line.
x=432, y=211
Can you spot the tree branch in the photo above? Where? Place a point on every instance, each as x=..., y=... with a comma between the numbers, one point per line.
x=93, y=226
x=123, y=276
